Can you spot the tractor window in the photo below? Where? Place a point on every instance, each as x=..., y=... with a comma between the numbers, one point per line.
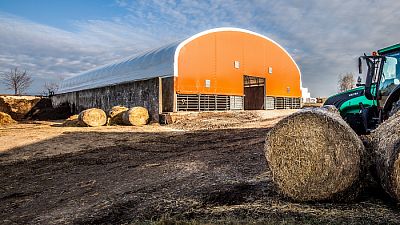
x=397, y=57
x=389, y=69
x=391, y=73
x=363, y=76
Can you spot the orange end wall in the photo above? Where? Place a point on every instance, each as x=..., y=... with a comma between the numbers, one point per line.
x=211, y=57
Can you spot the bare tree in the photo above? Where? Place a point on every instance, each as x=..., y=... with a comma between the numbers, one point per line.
x=16, y=80
x=346, y=82
x=49, y=88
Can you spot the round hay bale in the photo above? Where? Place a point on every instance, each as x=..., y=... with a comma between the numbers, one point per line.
x=6, y=119
x=72, y=121
x=136, y=116
x=386, y=147
x=314, y=155
x=115, y=115
x=93, y=117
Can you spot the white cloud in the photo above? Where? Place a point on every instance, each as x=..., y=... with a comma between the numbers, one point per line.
x=51, y=53
x=323, y=36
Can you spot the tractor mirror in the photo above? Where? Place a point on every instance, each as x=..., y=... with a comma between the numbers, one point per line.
x=359, y=66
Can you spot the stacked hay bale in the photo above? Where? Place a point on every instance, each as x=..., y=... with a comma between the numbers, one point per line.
x=6, y=119
x=386, y=146
x=136, y=116
x=18, y=106
x=314, y=155
x=115, y=115
x=93, y=117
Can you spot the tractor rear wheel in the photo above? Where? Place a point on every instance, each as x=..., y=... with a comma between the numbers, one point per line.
x=395, y=108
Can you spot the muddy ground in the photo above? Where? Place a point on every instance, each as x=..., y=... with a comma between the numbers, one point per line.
x=205, y=170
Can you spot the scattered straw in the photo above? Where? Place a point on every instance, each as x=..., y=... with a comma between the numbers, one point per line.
x=6, y=119
x=72, y=121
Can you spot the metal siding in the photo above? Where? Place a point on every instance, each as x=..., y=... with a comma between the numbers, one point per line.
x=212, y=57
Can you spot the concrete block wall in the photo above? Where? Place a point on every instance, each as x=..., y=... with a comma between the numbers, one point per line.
x=145, y=93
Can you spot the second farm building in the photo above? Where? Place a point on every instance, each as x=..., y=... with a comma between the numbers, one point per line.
x=218, y=69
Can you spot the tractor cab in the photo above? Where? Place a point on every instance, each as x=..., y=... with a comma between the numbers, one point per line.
x=377, y=93
x=389, y=89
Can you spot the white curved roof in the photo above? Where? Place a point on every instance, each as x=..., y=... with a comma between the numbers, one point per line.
x=160, y=62
x=154, y=63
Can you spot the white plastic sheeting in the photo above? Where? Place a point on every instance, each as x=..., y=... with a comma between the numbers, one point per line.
x=161, y=62
x=154, y=63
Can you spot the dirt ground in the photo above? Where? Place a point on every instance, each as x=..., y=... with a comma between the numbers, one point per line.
x=206, y=169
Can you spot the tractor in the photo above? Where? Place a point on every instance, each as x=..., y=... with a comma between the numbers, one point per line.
x=375, y=98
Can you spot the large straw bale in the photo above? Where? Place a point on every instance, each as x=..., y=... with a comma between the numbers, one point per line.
x=386, y=146
x=314, y=155
x=115, y=115
x=136, y=116
x=93, y=117
x=6, y=119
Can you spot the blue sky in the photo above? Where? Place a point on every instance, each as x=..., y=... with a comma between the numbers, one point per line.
x=57, y=39
x=62, y=13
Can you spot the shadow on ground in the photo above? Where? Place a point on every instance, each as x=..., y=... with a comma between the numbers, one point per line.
x=213, y=175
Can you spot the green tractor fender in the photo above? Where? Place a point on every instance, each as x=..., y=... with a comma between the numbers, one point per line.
x=355, y=108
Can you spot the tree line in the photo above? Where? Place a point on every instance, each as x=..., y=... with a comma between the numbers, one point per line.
x=346, y=82
x=19, y=81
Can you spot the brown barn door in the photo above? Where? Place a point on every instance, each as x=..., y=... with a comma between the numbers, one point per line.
x=254, y=93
